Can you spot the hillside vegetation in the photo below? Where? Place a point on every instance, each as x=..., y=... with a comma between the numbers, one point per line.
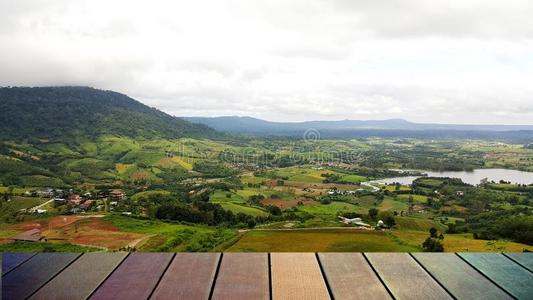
x=60, y=112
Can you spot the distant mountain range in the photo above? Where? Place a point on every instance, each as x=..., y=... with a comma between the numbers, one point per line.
x=359, y=128
x=71, y=112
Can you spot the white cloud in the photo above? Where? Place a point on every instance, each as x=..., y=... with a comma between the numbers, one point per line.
x=439, y=61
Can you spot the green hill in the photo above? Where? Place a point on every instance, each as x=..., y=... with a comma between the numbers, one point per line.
x=62, y=112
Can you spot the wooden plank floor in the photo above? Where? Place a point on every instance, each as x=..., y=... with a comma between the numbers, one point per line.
x=515, y=279
x=267, y=276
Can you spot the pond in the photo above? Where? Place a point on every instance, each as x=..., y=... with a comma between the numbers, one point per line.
x=471, y=177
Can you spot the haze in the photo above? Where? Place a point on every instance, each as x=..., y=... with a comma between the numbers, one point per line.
x=425, y=61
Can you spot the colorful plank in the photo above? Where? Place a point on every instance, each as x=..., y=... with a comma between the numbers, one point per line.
x=513, y=278
x=297, y=276
x=404, y=277
x=460, y=279
x=350, y=277
x=189, y=276
x=242, y=276
x=525, y=259
x=31, y=275
x=135, y=278
x=82, y=277
x=13, y=260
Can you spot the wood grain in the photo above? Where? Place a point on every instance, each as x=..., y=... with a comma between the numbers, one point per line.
x=460, y=279
x=297, y=276
x=350, y=277
x=189, y=276
x=31, y=275
x=135, y=278
x=405, y=278
x=525, y=259
x=82, y=277
x=242, y=276
x=13, y=260
x=507, y=274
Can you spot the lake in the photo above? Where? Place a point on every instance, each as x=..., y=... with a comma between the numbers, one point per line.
x=472, y=177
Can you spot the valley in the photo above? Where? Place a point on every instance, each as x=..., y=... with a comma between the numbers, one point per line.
x=141, y=180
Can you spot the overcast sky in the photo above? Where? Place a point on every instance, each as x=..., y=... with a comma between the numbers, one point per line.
x=285, y=60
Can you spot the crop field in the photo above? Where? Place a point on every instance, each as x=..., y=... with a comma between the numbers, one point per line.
x=321, y=240
x=393, y=205
x=93, y=232
x=463, y=242
x=283, y=204
x=416, y=198
x=307, y=175
x=237, y=208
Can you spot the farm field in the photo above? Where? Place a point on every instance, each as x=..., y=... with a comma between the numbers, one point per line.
x=463, y=242
x=321, y=240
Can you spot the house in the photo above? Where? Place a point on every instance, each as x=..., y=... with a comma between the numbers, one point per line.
x=32, y=235
x=45, y=193
x=460, y=193
x=117, y=195
x=74, y=199
x=87, y=204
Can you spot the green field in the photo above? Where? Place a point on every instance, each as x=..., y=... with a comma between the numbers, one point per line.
x=164, y=236
x=334, y=240
x=21, y=247
x=416, y=198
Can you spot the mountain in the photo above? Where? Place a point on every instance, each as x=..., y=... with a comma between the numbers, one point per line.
x=58, y=112
x=362, y=128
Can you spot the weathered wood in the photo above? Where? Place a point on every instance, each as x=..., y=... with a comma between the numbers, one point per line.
x=350, y=277
x=135, y=278
x=525, y=259
x=242, y=276
x=13, y=260
x=297, y=276
x=82, y=277
x=460, y=279
x=507, y=274
x=31, y=275
x=189, y=276
x=404, y=277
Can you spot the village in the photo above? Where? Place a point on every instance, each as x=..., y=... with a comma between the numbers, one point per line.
x=74, y=203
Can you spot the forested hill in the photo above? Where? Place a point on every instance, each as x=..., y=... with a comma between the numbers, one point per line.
x=58, y=112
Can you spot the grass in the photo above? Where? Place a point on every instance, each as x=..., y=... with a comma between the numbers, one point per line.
x=333, y=240
x=392, y=188
x=392, y=205
x=305, y=174
x=329, y=211
x=252, y=179
x=236, y=208
x=353, y=178
x=19, y=247
x=165, y=236
x=147, y=194
x=18, y=203
x=418, y=224
x=463, y=242
x=416, y=198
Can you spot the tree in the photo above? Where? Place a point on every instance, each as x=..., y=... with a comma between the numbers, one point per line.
x=387, y=218
x=433, y=232
x=432, y=245
x=373, y=213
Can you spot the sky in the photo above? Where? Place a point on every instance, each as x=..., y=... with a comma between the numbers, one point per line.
x=438, y=61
